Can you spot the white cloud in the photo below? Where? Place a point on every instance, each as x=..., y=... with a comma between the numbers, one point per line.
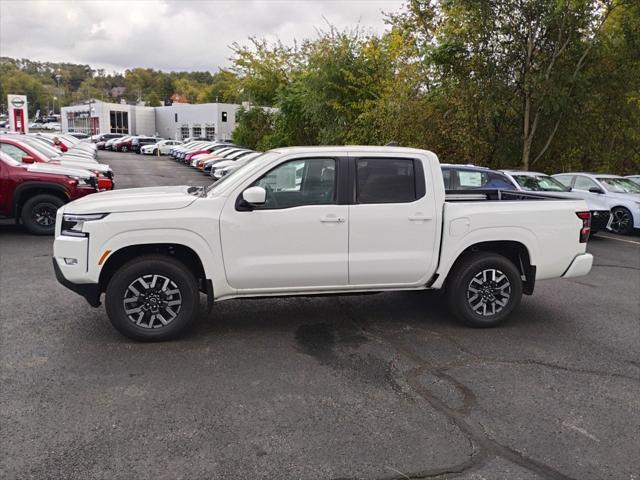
x=168, y=35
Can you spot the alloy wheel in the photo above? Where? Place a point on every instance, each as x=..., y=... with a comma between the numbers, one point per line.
x=44, y=214
x=488, y=292
x=621, y=220
x=152, y=301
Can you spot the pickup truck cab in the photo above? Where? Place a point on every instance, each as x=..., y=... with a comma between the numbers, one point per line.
x=314, y=220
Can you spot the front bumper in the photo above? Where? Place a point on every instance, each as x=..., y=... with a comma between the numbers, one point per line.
x=580, y=266
x=90, y=291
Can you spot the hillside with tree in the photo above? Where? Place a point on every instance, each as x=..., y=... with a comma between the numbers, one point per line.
x=540, y=84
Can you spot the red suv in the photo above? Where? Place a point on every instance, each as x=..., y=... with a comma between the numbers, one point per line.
x=33, y=192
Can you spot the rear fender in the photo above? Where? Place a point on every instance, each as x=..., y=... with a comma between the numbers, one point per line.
x=453, y=248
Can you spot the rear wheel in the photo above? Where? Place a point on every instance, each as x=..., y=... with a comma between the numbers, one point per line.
x=484, y=289
x=152, y=298
x=622, y=221
x=39, y=214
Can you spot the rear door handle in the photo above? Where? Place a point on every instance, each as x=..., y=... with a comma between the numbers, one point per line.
x=332, y=219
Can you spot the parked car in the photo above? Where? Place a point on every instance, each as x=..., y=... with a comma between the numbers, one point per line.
x=634, y=178
x=543, y=184
x=138, y=142
x=163, y=145
x=621, y=195
x=206, y=162
x=79, y=135
x=32, y=193
x=25, y=149
x=103, y=137
x=110, y=144
x=198, y=160
x=471, y=177
x=123, y=144
x=228, y=159
x=225, y=167
x=313, y=220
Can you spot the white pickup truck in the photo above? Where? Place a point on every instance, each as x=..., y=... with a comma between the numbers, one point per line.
x=313, y=220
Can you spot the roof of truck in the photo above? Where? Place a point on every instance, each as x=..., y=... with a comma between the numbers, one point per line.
x=351, y=148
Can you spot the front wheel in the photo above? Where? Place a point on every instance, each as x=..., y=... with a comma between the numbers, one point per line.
x=152, y=298
x=39, y=214
x=483, y=289
x=622, y=221
x=124, y=149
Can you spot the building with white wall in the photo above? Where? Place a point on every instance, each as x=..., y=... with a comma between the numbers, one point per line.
x=210, y=120
x=177, y=121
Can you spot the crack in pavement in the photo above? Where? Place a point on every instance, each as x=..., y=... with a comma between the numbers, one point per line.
x=526, y=362
x=483, y=445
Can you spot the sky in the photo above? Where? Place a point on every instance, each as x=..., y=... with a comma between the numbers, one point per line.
x=169, y=35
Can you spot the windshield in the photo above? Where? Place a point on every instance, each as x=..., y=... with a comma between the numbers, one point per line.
x=539, y=183
x=620, y=185
x=43, y=148
x=247, y=167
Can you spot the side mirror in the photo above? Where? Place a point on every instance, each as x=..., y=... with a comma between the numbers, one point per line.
x=596, y=190
x=255, y=195
x=28, y=159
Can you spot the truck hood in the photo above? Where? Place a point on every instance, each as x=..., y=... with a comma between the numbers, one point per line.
x=134, y=200
x=94, y=167
x=59, y=170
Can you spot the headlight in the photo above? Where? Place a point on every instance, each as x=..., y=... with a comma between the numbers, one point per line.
x=81, y=181
x=72, y=224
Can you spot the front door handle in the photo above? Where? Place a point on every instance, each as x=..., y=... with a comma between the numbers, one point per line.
x=332, y=219
x=419, y=217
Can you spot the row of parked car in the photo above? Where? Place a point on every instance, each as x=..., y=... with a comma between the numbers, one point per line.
x=40, y=172
x=614, y=201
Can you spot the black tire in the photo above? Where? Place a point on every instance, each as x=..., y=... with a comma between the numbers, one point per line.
x=124, y=149
x=622, y=222
x=152, y=301
x=38, y=214
x=155, y=151
x=494, y=299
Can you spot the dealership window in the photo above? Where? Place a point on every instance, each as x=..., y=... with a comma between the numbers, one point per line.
x=210, y=132
x=197, y=131
x=224, y=116
x=119, y=122
x=184, y=132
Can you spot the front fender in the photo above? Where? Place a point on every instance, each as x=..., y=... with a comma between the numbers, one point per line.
x=213, y=270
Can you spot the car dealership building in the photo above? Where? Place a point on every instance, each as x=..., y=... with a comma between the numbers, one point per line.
x=177, y=121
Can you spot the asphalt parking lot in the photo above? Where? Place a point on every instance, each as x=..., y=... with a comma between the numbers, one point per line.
x=366, y=386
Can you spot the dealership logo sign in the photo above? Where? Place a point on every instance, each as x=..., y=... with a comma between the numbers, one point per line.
x=17, y=102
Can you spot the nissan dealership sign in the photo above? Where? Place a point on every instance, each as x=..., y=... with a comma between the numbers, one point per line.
x=18, y=113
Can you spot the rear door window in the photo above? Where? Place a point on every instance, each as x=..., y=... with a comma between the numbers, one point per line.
x=584, y=183
x=383, y=180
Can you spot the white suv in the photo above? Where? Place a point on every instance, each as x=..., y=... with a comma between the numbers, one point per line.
x=621, y=194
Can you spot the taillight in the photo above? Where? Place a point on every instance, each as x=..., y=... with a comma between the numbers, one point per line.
x=585, y=231
x=104, y=183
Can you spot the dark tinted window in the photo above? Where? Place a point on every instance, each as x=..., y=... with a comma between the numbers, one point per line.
x=382, y=180
x=446, y=177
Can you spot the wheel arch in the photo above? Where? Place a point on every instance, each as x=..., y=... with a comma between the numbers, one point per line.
x=183, y=253
x=516, y=251
x=28, y=189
